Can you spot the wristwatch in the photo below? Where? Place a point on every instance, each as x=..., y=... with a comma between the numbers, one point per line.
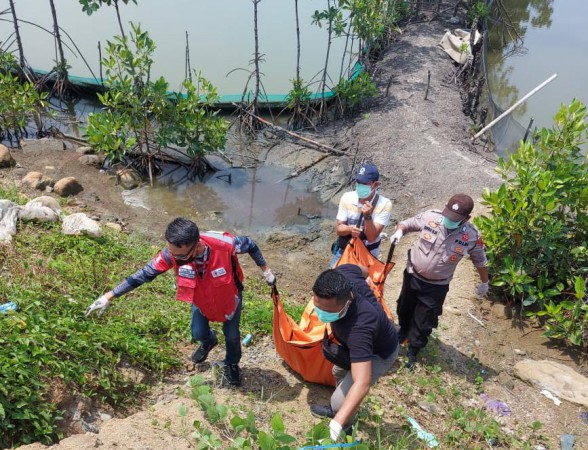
x=368, y=217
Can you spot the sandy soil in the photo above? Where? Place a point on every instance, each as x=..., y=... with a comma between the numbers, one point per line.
x=423, y=151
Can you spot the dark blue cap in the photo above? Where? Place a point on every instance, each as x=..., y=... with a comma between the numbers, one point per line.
x=367, y=173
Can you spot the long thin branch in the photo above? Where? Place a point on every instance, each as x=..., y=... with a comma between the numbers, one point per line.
x=318, y=145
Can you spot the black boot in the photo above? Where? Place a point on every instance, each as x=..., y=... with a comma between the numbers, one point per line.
x=322, y=411
x=201, y=353
x=412, y=357
x=233, y=374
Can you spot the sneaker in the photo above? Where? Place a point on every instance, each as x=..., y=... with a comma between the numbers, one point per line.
x=322, y=411
x=412, y=357
x=233, y=374
x=201, y=353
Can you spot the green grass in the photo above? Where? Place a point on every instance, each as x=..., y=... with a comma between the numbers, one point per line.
x=48, y=341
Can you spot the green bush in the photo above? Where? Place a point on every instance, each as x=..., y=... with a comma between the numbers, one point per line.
x=20, y=105
x=141, y=117
x=537, y=229
x=351, y=93
x=48, y=342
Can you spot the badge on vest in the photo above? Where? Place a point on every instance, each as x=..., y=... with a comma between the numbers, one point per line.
x=218, y=272
x=186, y=272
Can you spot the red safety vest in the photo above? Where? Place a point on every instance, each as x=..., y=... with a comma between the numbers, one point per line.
x=216, y=294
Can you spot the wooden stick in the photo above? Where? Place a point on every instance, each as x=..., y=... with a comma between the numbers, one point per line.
x=321, y=147
x=428, y=83
x=476, y=319
x=509, y=110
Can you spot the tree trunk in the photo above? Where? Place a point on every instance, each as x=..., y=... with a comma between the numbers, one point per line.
x=257, y=74
x=122, y=31
x=324, y=79
x=297, y=42
x=58, y=38
x=17, y=33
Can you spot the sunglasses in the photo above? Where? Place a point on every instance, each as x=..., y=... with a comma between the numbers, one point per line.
x=186, y=255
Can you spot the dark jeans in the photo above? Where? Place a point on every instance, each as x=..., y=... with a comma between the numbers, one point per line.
x=200, y=328
x=419, y=306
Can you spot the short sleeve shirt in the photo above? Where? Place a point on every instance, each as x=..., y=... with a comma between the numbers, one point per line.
x=350, y=212
x=365, y=330
x=435, y=254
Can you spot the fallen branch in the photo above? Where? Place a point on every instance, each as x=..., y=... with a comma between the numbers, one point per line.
x=303, y=169
x=319, y=146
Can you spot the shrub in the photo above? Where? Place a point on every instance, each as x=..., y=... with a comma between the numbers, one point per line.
x=537, y=229
x=141, y=117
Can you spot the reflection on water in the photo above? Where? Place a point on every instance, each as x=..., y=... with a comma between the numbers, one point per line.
x=220, y=38
x=240, y=199
x=554, y=41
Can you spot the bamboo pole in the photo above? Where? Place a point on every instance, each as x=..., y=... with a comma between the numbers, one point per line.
x=512, y=108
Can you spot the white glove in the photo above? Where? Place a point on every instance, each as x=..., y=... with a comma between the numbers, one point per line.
x=395, y=238
x=482, y=289
x=335, y=429
x=101, y=304
x=269, y=276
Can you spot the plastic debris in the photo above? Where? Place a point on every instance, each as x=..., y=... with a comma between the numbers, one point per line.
x=567, y=441
x=429, y=439
x=247, y=340
x=497, y=406
x=10, y=306
x=321, y=447
x=584, y=416
x=550, y=396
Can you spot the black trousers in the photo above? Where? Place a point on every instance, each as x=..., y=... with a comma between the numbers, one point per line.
x=419, y=306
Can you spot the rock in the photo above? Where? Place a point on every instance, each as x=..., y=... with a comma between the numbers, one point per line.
x=502, y=311
x=32, y=178
x=92, y=160
x=562, y=381
x=136, y=198
x=37, y=180
x=431, y=408
x=453, y=310
x=519, y=352
x=67, y=186
x=85, y=150
x=128, y=179
x=79, y=223
x=104, y=417
x=114, y=226
x=6, y=159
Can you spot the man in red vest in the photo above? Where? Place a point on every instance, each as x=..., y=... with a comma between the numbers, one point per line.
x=209, y=277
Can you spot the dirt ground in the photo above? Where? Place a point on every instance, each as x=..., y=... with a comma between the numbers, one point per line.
x=423, y=151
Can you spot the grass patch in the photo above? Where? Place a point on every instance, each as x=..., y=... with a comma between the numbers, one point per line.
x=48, y=341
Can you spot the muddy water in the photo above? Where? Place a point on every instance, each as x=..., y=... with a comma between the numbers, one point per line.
x=554, y=41
x=220, y=34
x=240, y=199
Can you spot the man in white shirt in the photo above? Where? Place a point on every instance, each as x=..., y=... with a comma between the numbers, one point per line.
x=362, y=212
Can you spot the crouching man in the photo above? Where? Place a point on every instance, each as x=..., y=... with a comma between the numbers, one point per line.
x=343, y=299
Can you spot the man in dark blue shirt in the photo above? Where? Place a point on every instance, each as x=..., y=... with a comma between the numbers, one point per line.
x=343, y=298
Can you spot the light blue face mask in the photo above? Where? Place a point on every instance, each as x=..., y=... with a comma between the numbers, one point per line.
x=450, y=224
x=363, y=190
x=328, y=317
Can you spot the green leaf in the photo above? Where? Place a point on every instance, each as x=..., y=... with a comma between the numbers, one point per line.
x=277, y=423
